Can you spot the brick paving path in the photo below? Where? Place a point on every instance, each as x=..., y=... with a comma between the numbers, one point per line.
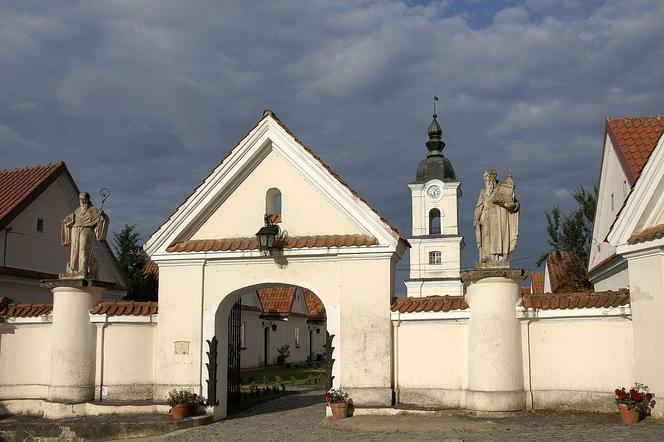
x=300, y=418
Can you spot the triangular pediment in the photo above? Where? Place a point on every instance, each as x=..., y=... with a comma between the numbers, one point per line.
x=230, y=204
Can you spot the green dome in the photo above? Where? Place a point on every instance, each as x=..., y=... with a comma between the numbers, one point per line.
x=435, y=166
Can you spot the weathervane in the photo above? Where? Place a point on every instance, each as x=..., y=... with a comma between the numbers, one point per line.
x=434, y=106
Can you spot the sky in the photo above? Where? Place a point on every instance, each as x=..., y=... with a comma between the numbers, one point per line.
x=146, y=97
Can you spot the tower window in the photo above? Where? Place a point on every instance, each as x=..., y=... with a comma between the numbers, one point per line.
x=273, y=204
x=40, y=224
x=434, y=257
x=434, y=222
x=612, y=202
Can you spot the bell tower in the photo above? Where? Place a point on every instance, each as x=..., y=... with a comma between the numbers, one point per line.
x=435, y=255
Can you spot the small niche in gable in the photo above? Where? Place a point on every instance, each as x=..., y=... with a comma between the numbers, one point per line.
x=273, y=204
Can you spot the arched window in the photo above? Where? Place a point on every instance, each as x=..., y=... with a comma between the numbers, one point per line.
x=273, y=204
x=434, y=222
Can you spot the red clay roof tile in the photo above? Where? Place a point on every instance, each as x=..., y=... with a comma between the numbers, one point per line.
x=277, y=300
x=151, y=268
x=20, y=187
x=557, y=263
x=603, y=262
x=125, y=308
x=647, y=234
x=537, y=279
x=10, y=309
x=634, y=139
x=315, y=307
x=428, y=304
x=293, y=242
x=551, y=301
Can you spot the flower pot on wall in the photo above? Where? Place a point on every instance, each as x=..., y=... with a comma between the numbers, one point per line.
x=628, y=415
x=339, y=411
x=180, y=411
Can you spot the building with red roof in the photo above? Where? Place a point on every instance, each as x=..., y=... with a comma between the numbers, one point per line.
x=33, y=202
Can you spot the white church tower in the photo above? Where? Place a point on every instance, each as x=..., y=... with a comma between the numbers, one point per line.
x=435, y=255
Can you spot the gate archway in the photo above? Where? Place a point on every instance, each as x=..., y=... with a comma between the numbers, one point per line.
x=288, y=315
x=336, y=245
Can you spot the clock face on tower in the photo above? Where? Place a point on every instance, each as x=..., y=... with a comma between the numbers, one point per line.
x=433, y=192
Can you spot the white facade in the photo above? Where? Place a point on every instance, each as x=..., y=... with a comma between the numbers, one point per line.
x=231, y=203
x=260, y=341
x=614, y=187
x=644, y=252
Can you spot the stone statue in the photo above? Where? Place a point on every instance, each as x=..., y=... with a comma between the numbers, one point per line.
x=80, y=229
x=496, y=220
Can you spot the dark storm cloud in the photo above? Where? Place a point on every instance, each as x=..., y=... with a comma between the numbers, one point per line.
x=146, y=97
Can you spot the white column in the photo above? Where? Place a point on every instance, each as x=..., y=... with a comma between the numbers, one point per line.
x=73, y=344
x=495, y=370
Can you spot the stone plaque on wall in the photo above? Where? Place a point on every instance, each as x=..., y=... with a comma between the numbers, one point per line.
x=181, y=347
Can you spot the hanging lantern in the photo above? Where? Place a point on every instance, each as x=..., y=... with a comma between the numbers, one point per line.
x=267, y=235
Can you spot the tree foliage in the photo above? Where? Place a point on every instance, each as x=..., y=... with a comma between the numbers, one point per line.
x=132, y=261
x=572, y=233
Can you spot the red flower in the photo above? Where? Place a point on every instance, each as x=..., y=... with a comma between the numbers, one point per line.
x=617, y=392
x=635, y=395
x=328, y=394
x=648, y=396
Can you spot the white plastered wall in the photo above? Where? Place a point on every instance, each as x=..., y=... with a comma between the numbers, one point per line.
x=127, y=358
x=646, y=276
x=613, y=190
x=430, y=362
x=572, y=362
x=25, y=359
x=356, y=294
x=577, y=362
x=301, y=204
x=126, y=367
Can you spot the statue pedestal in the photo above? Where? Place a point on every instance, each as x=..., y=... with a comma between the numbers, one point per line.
x=73, y=339
x=495, y=366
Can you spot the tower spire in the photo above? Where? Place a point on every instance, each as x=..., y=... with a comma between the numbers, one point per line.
x=435, y=132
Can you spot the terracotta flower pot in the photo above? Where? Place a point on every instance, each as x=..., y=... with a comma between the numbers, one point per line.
x=628, y=415
x=180, y=411
x=339, y=411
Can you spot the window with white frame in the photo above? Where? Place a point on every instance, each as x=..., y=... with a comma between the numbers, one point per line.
x=242, y=328
x=297, y=337
x=434, y=257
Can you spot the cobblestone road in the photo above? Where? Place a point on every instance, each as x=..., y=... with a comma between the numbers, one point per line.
x=300, y=418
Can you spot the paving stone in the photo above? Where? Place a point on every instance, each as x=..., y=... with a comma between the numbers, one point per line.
x=300, y=418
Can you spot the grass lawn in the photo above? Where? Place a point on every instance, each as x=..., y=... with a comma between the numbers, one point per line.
x=303, y=376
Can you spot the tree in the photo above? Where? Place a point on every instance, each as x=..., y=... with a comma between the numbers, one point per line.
x=572, y=233
x=132, y=261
